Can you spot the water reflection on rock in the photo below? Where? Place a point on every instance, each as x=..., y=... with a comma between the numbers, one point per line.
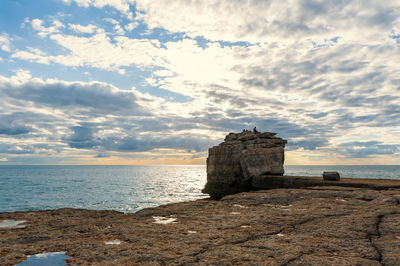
x=46, y=259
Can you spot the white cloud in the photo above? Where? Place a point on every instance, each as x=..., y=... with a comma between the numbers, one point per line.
x=111, y=20
x=121, y=5
x=90, y=28
x=57, y=24
x=119, y=30
x=43, y=31
x=163, y=73
x=37, y=24
x=256, y=21
x=3, y=160
x=32, y=55
x=97, y=51
x=117, y=27
x=5, y=43
x=289, y=21
x=131, y=26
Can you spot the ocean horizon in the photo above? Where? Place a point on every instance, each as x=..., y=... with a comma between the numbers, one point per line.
x=129, y=188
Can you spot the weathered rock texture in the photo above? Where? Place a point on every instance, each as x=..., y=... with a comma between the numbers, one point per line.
x=328, y=225
x=232, y=164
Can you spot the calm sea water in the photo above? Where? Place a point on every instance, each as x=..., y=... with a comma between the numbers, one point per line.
x=121, y=188
x=127, y=188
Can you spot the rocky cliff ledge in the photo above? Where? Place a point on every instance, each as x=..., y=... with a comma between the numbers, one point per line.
x=328, y=225
x=233, y=164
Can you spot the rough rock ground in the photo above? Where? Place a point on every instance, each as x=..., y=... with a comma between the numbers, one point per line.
x=327, y=225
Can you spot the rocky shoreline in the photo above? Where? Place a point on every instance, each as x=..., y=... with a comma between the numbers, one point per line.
x=312, y=225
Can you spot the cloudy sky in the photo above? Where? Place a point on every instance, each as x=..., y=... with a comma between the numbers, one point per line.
x=158, y=82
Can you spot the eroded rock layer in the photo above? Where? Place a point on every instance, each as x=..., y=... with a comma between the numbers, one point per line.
x=232, y=164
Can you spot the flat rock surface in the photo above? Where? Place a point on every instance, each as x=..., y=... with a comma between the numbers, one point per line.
x=327, y=225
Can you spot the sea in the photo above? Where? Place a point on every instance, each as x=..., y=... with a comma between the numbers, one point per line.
x=128, y=188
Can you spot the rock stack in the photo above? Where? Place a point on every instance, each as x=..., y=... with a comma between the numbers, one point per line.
x=232, y=164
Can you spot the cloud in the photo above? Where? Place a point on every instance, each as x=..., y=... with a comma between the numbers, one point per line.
x=317, y=73
x=96, y=97
x=11, y=128
x=224, y=20
x=81, y=138
x=16, y=149
x=121, y=5
x=32, y=55
x=43, y=31
x=367, y=149
x=308, y=144
x=90, y=28
x=97, y=50
x=102, y=155
x=5, y=43
x=117, y=27
x=109, y=119
x=131, y=26
x=84, y=137
x=3, y=160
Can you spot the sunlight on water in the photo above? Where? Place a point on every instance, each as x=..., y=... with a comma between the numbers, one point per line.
x=121, y=188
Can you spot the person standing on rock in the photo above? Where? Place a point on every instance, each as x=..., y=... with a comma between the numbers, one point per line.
x=255, y=130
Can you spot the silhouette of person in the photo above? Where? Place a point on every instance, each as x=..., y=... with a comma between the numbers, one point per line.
x=255, y=130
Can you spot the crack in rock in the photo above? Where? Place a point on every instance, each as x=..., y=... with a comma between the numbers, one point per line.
x=308, y=220
x=296, y=258
x=378, y=221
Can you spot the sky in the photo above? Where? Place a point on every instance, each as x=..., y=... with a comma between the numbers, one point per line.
x=159, y=82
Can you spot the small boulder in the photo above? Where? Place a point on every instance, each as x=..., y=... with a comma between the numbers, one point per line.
x=331, y=176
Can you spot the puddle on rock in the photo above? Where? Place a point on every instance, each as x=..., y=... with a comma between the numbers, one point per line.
x=343, y=200
x=113, y=242
x=46, y=259
x=163, y=220
x=11, y=224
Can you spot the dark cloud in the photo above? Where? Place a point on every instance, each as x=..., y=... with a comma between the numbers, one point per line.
x=14, y=129
x=94, y=96
x=15, y=149
x=309, y=144
x=196, y=143
x=132, y=139
x=359, y=149
x=82, y=138
x=318, y=115
x=14, y=124
x=28, y=148
x=101, y=155
x=86, y=138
